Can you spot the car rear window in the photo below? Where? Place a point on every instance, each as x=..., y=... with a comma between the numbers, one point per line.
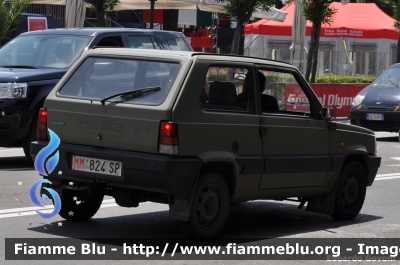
x=98, y=78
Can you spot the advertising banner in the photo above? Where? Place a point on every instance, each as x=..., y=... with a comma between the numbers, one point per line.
x=337, y=96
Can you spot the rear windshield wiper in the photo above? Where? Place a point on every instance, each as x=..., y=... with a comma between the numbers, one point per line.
x=18, y=66
x=132, y=93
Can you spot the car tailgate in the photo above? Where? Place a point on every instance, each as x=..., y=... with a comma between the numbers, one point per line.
x=117, y=126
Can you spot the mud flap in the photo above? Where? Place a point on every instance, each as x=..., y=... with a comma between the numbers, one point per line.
x=324, y=205
x=180, y=208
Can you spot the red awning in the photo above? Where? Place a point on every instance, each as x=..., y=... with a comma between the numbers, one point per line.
x=354, y=20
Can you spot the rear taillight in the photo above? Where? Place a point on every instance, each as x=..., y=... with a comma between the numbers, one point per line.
x=41, y=133
x=168, y=142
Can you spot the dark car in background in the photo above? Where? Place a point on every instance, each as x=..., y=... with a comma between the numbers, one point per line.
x=32, y=64
x=22, y=25
x=377, y=107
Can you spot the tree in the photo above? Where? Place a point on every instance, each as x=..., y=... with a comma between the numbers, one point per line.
x=242, y=10
x=100, y=8
x=9, y=15
x=318, y=12
x=396, y=15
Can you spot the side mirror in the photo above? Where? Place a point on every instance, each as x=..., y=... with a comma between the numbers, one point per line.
x=273, y=54
x=327, y=113
x=351, y=56
x=239, y=76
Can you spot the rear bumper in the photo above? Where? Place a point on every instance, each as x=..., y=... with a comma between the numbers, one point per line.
x=147, y=172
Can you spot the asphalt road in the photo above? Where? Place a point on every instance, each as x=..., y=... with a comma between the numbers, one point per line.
x=251, y=221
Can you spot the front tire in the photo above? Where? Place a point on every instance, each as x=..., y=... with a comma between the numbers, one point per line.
x=210, y=207
x=78, y=206
x=350, y=193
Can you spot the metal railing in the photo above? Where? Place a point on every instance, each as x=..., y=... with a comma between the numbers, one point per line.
x=56, y=11
x=340, y=62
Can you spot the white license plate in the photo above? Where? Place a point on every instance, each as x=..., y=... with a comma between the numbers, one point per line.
x=100, y=166
x=375, y=117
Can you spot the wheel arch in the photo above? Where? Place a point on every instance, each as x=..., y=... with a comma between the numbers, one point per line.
x=224, y=168
x=223, y=163
x=361, y=158
x=326, y=204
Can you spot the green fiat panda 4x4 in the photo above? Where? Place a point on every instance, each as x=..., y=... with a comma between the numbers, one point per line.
x=198, y=132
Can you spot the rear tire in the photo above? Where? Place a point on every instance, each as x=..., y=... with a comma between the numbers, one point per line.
x=78, y=206
x=210, y=207
x=350, y=193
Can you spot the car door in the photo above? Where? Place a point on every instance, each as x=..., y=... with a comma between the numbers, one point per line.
x=295, y=138
x=218, y=120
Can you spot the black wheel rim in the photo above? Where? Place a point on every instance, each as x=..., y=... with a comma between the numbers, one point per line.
x=350, y=190
x=208, y=206
x=78, y=201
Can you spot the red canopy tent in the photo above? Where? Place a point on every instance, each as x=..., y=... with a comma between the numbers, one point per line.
x=360, y=40
x=353, y=20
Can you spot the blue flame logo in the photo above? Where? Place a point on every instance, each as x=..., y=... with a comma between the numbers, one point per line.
x=45, y=168
x=54, y=195
x=46, y=152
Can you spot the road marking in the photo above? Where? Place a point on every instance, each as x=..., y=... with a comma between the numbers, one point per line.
x=387, y=176
x=395, y=158
x=11, y=153
x=16, y=169
x=17, y=212
x=398, y=177
x=386, y=134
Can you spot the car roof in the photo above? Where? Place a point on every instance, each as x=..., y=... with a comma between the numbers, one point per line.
x=95, y=30
x=179, y=54
x=137, y=51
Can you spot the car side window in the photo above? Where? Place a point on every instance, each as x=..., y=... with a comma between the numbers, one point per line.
x=111, y=42
x=177, y=44
x=226, y=88
x=141, y=42
x=281, y=93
